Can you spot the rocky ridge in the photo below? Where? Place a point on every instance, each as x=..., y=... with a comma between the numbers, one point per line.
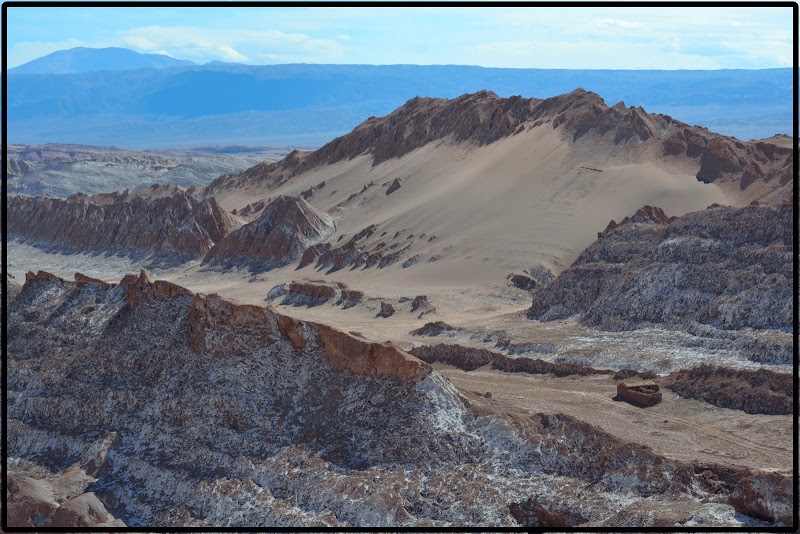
x=318, y=293
x=354, y=255
x=166, y=223
x=232, y=415
x=724, y=268
x=583, y=117
x=759, y=391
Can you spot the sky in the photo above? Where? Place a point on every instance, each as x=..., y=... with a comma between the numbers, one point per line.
x=523, y=37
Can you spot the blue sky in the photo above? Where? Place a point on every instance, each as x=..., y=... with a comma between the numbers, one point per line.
x=526, y=37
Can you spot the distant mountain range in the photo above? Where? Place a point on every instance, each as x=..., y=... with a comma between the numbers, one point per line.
x=80, y=59
x=179, y=103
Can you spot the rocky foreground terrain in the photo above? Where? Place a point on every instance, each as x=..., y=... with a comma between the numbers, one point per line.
x=183, y=409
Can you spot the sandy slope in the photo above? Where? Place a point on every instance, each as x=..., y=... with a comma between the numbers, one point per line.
x=522, y=200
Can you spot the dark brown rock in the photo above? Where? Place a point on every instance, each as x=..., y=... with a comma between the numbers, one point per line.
x=282, y=233
x=309, y=294
x=387, y=310
x=531, y=513
x=420, y=302
x=394, y=186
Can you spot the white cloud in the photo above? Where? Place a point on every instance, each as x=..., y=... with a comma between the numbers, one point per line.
x=582, y=55
x=204, y=44
x=618, y=23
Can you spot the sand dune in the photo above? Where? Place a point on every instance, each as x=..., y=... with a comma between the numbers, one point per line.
x=522, y=200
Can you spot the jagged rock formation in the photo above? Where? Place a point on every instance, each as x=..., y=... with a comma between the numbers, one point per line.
x=759, y=391
x=352, y=255
x=482, y=118
x=277, y=291
x=281, y=234
x=724, y=267
x=421, y=302
x=168, y=224
x=234, y=415
x=316, y=293
x=646, y=214
x=435, y=328
x=764, y=496
x=387, y=310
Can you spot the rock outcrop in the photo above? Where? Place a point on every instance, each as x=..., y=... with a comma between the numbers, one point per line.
x=55, y=501
x=394, y=186
x=309, y=294
x=646, y=214
x=435, y=328
x=469, y=359
x=229, y=415
x=352, y=255
x=169, y=225
x=752, y=391
x=316, y=293
x=764, y=496
x=723, y=267
x=387, y=310
x=421, y=303
x=281, y=234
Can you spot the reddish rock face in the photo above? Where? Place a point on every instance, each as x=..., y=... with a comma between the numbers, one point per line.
x=290, y=328
x=41, y=276
x=82, y=280
x=349, y=353
x=160, y=289
x=727, y=159
x=282, y=233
